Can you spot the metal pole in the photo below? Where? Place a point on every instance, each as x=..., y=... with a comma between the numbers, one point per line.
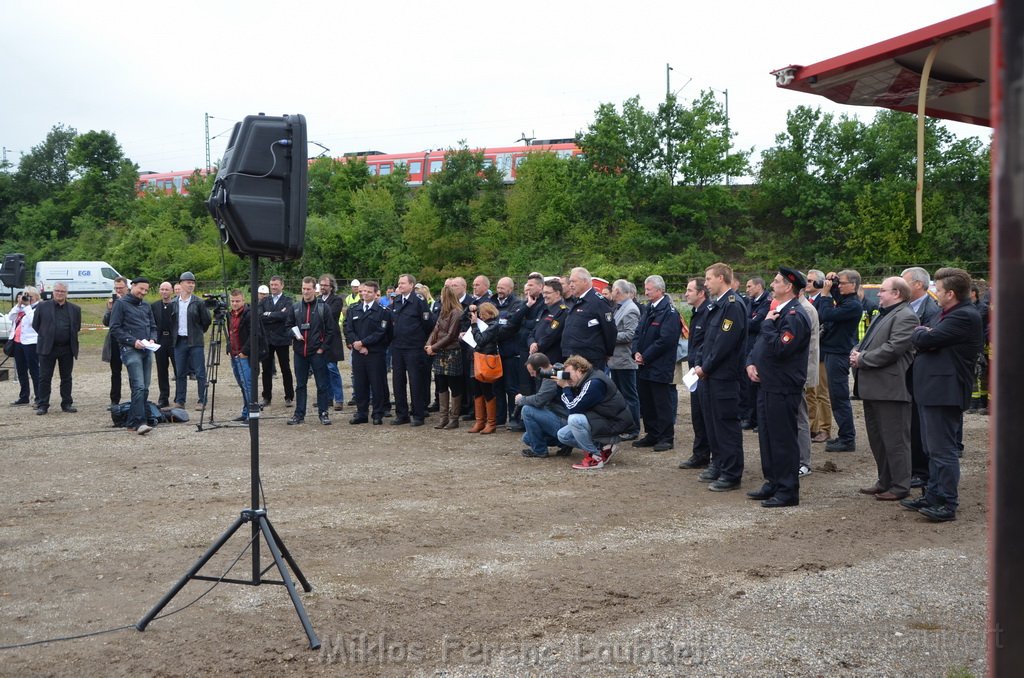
x=207, y=142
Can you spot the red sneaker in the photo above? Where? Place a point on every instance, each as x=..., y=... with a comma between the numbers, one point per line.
x=607, y=451
x=589, y=463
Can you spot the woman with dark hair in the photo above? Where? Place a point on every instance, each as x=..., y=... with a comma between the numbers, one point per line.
x=443, y=347
x=484, y=402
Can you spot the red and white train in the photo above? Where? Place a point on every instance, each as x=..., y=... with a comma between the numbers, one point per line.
x=418, y=164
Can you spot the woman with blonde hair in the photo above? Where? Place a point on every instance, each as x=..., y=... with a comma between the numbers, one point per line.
x=443, y=347
x=484, y=402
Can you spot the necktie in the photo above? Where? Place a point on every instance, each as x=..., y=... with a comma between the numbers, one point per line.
x=366, y=308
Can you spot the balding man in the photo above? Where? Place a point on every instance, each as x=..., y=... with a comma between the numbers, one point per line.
x=590, y=325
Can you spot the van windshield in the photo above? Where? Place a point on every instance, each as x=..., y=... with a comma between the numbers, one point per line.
x=108, y=273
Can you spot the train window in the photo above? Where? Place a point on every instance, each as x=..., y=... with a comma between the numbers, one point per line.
x=371, y=170
x=385, y=169
x=488, y=162
x=415, y=167
x=177, y=184
x=519, y=160
x=563, y=154
x=435, y=166
x=401, y=162
x=505, y=163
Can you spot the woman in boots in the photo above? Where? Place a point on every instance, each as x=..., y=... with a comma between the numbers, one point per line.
x=443, y=346
x=484, y=401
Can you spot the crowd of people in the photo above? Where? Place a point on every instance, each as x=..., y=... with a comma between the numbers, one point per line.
x=574, y=367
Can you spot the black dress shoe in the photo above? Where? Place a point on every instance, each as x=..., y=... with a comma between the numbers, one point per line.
x=915, y=504
x=20, y=401
x=295, y=420
x=721, y=485
x=775, y=502
x=839, y=446
x=663, y=447
x=416, y=421
x=377, y=421
x=41, y=410
x=70, y=409
x=694, y=462
x=938, y=514
x=398, y=421
x=530, y=453
x=646, y=441
x=358, y=420
x=764, y=493
x=709, y=474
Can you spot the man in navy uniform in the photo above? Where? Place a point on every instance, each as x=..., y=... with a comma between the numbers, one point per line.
x=411, y=323
x=590, y=326
x=697, y=297
x=758, y=303
x=654, y=350
x=721, y=373
x=778, y=362
x=509, y=319
x=275, y=312
x=526, y=318
x=366, y=333
x=547, y=335
x=313, y=332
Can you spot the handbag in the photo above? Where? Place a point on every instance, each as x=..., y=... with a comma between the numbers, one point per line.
x=487, y=368
x=9, y=347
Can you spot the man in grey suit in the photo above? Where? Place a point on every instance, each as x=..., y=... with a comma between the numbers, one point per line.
x=921, y=303
x=623, y=367
x=880, y=363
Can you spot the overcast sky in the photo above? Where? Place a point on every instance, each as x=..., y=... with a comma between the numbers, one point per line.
x=408, y=76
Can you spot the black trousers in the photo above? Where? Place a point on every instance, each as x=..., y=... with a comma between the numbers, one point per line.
x=370, y=383
x=267, y=370
x=60, y=357
x=164, y=365
x=115, y=373
x=777, y=434
x=701, y=446
x=721, y=407
x=507, y=387
x=656, y=409
x=407, y=370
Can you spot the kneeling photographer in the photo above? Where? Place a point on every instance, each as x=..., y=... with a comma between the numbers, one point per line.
x=597, y=413
x=543, y=412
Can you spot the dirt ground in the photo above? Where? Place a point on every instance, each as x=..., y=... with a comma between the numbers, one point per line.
x=443, y=553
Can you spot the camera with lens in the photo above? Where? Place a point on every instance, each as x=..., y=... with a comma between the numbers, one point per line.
x=217, y=304
x=556, y=372
x=26, y=299
x=819, y=284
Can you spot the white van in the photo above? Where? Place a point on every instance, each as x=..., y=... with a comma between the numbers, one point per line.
x=83, y=278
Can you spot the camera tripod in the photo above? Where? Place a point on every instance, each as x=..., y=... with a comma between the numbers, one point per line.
x=212, y=366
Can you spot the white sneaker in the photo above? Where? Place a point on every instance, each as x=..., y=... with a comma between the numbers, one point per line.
x=144, y=429
x=805, y=470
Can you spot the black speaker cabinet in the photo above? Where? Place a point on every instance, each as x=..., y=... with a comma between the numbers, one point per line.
x=12, y=272
x=259, y=197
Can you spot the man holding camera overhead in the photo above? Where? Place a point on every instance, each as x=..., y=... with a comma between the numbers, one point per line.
x=189, y=355
x=840, y=312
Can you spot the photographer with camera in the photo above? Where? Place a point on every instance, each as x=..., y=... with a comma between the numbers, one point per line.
x=598, y=414
x=23, y=341
x=189, y=354
x=839, y=312
x=542, y=413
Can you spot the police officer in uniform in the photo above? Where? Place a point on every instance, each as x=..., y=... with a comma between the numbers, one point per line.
x=411, y=326
x=778, y=363
x=590, y=326
x=697, y=297
x=509, y=320
x=654, y=350
x=721, y=372
x=366, y=333
x=527, y=316
x=547, y=334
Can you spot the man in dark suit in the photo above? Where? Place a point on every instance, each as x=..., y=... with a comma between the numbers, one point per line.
x=165, y=313
x=57, y=322
x=880, y=363
x=654, y=350
x=411, y=325
x=943, y=380
x=589, y=327
x=366, y=333
x=926, y=309
x=275, y=312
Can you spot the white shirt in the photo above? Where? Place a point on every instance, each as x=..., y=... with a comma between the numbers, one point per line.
x=183, y=316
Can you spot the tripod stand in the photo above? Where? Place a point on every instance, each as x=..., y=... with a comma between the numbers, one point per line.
x=212, y=365
x=257, y=517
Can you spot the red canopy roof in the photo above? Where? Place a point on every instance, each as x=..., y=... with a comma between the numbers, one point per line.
x=888, y=74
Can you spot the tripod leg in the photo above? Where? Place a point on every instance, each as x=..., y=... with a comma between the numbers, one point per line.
x=288, y=557
x=141, y=626
x=272, y=542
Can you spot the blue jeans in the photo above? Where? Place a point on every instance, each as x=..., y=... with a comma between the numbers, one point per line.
x=625, y=381
x=576, y=433
x=940, y=427
x=139, y=365
x=317, y=364
x=188, y=359
x=243, y=375
x=837, y=367
x=541, y=428
x=337, y=387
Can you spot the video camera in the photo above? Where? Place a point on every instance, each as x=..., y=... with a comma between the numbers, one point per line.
x=556, y=372
x=216, y=303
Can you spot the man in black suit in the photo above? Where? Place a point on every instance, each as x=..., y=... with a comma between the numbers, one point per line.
x=943, y=380
x=366, y=333
x=926, y=309
x=57, y=322
x=165, y=313
x=276, y=314
x=654, y=350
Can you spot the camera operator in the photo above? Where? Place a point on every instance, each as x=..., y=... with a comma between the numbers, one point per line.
x=189, y=356
x=24, y=338
x=598, y=414
x=840, y=312
x=542, y=413
x=110, y=353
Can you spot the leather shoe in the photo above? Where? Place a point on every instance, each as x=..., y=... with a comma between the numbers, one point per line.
x=709, y=474
x=874, y=489
x=724, y=485
x=646, y=441
x=819, y=437
x=938, y=514
x=839, y=446
x=264, y=402
x=358, y=420
x=629, y=436
x=564, y=451
x=377, y=421
x=775, y=502
x=693, y=462
x=917, y=482
x=20, y=401
x=41, y=410
x=295, y=420
x=889, y=496
x=764, y=493
x=915, y=504
x=662, y=447
x=530, y=453
x=398, y=421
x=416, y=421
x=70, y=409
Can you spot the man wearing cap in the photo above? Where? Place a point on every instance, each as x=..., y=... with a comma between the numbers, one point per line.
x=778, y=364
x=134, y=330
x=355, y=297
x=165, y=314
x=276, y=315
x=189, y=356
